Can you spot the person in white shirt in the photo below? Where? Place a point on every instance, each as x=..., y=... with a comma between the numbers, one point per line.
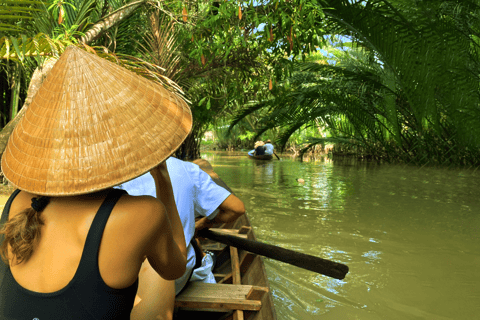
x=196, y=195
x=269, y=147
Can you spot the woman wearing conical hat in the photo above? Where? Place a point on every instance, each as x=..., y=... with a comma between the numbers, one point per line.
x=72, y=246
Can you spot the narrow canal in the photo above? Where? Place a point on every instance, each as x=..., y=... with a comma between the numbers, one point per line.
x=411, y=236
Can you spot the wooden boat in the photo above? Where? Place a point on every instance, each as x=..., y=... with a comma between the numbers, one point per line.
x=242, y=290
x=261, y=157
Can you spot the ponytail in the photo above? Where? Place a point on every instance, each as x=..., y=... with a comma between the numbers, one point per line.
x=23, y=231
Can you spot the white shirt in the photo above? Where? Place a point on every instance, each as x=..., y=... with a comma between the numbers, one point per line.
x=268, y=148
x=196, y=194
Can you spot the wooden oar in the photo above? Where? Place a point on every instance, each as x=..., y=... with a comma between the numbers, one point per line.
x=276, y=156
x=326, y=267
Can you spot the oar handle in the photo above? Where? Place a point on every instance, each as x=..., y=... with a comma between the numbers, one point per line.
x=326, y=267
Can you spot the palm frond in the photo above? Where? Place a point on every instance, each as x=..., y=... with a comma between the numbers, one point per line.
x=16, y=12
x=19, y=49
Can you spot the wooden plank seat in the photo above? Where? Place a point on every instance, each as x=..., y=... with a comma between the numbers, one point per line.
x=220, y=297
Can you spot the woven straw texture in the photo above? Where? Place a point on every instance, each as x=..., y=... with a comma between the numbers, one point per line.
x=93, y=125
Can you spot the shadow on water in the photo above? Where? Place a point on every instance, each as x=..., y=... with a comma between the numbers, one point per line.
x=411, y=236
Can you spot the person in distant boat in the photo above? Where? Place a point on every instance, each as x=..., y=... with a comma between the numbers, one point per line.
x=269, y=147
x=259, y=148
x=196, y=196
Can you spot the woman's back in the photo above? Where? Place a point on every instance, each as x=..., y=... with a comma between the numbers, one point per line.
x=115, y=234
x=56, y=258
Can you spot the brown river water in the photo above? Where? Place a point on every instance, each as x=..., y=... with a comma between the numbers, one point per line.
x=411, y=236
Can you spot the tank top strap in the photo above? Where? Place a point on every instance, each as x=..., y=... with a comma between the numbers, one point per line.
x=6, y=209
x=3, y=220
x=88, y=266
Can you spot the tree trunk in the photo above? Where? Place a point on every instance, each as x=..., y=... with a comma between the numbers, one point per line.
x=15, y=89
x=190, y=148
x=5, y=96
x=110, y=21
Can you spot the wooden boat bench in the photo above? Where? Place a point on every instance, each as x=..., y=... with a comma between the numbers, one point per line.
x=228, y=295
x=220, y=297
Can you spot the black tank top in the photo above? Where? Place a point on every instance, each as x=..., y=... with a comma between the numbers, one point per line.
x=86, y=297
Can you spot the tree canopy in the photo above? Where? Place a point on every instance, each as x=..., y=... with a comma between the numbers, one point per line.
x=404, y=85
x=392, y=79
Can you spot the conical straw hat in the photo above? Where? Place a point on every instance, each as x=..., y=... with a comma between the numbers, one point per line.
x=93, y=125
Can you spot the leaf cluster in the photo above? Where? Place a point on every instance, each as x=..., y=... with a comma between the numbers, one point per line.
x=405, y=85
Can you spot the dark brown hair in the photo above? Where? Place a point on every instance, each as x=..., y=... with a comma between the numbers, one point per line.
x=22, y=234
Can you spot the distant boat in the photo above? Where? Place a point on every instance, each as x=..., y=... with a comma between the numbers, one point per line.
x=261, y=157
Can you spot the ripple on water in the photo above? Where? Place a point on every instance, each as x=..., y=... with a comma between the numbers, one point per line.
x=410, y=236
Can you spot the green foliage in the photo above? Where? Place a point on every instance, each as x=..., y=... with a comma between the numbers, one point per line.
x=14, y=14
x=407, y=87
x=402, y=84
x=218, y=29
x=247, y=136
x=43, y=30
x=223, y=56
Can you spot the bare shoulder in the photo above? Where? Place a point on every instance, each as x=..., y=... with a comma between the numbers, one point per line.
x=133, y=225
x=141, y=206
x=143, y=212
x=147, y=202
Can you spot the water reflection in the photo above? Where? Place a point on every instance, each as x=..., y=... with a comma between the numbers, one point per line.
x=410, y=236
